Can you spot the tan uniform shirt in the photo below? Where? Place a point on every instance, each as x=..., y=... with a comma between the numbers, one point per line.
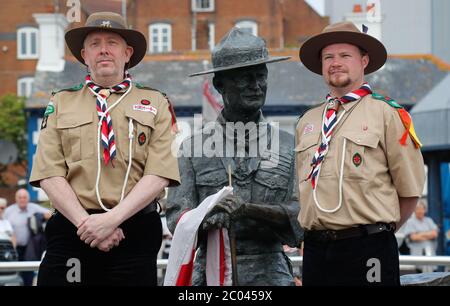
x=377, y=168
x=68, y=144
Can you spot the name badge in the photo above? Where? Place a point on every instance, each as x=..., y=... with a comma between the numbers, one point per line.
x=145, y=108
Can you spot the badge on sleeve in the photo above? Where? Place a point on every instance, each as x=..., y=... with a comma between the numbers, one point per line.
x=309, y=128
x=357, y=159
x=145, y=102
x=50, y=109
x=142, y=138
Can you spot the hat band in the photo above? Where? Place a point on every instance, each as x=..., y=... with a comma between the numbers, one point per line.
x=106, y=24
x=240, y=57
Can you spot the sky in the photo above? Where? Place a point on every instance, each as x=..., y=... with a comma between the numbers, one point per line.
x=318, y=5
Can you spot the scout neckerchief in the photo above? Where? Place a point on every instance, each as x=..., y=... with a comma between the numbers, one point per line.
x=102, y=94
x=330, y=121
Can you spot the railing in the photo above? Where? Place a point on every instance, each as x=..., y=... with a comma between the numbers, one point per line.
x=297, y=261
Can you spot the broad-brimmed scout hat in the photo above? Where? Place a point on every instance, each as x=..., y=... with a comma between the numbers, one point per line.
x=342, y=32
x=238, y=49
x=112, y=22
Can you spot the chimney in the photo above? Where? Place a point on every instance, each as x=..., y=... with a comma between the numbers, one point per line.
x=371, y=17
x=357, y=8
x=51, y=41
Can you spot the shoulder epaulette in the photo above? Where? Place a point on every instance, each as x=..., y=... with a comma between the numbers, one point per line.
x=73, y=88
x=405, y=117
x=140, y=86
x=386, y=99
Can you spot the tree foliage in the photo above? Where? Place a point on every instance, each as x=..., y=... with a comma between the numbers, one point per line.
x=13, y=122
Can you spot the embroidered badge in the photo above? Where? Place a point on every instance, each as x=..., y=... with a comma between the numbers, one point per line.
x=142, y=138
x=357, y=160
x=50, y=109
x=309, y=128
x=145, y=102
x=145, y=108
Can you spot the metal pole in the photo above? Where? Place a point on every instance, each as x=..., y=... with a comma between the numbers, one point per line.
x=194, y=30
x=435, y=209
x=124, y=9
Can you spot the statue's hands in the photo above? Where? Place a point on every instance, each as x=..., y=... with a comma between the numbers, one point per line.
x=216, y=220
x=232, y=205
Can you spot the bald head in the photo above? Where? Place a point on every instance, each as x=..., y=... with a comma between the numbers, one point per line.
x=22, y=198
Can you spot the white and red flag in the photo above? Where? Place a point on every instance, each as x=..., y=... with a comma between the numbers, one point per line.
x=184, y=243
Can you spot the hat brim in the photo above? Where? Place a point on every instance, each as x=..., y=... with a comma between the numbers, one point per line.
x=240, y=65
x=310, y=50
x=75, y=39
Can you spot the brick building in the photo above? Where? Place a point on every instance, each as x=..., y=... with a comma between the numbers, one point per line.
x=32, y=33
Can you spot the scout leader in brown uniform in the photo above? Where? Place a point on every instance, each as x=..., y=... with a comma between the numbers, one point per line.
x=104, y=154
x=359, y=165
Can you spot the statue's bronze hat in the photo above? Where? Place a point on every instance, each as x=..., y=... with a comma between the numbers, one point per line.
x=237, y=49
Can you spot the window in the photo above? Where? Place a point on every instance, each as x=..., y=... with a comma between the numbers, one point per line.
x=249, y=26
x=203, y=5
x=27, y=43
x=25, y=86
x=160, y=38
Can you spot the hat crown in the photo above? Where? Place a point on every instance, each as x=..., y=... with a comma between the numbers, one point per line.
x=239, y=47
x=106, y=20
x=345, y=26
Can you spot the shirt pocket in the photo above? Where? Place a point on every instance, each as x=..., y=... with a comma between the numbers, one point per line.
x=270, y=187
x=359, y=149
x=77, y=135
x=304, y=153
x=209, y=180
x=143, y=126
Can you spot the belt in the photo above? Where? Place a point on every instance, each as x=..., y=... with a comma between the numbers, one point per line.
x=353, y=232
x=153, y=206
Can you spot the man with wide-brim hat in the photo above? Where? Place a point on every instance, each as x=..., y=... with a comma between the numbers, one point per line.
x=359, y=166
x=103, y=158
x=260, y=212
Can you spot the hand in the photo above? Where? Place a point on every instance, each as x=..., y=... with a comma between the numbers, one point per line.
x=96, y=228
x=231, y=204
x=111, y=241
x=216, y=221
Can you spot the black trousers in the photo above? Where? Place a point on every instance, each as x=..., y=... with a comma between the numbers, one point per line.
x=363, y=261
x=69, y=261
x=27, y=276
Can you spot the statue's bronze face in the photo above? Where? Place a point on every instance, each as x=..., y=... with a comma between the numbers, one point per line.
x=243, y=89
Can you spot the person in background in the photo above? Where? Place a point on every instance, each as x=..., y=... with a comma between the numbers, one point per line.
x=5, y=225
x=18, y=214
x=421, y=233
